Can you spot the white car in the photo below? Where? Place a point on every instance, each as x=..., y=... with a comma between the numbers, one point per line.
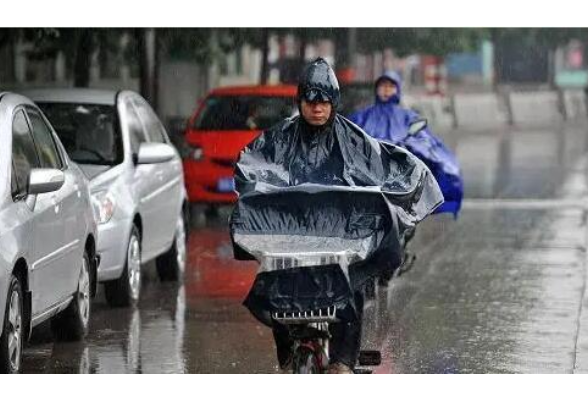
x=48, y=254
x=136, y=181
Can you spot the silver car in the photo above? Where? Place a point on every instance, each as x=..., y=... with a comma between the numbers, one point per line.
x=47, y=233
x=136, y=181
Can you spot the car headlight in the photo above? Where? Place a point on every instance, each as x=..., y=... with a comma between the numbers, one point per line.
x=104, y=206
x=196, y=153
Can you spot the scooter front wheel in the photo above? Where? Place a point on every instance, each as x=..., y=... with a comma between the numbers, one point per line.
x=305, y=361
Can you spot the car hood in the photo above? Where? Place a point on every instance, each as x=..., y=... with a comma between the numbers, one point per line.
x=101, y=176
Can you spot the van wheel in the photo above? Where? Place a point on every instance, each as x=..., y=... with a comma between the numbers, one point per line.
x=172, y=264
x=126, y=290
x=11, y=340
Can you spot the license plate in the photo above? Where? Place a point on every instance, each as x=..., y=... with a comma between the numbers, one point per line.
x=226, y=185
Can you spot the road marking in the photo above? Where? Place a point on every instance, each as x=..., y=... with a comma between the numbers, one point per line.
x=524, y=204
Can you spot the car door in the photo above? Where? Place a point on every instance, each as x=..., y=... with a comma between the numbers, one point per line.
x=47, y=237
x=68, y=200
x=143, y=183
x=167, y=183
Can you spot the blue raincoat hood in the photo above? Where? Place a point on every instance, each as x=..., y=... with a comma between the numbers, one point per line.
x=393, y=77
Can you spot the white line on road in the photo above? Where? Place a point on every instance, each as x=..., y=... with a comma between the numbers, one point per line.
x=524, y=204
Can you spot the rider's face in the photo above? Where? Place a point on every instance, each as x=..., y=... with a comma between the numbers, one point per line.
x=386, y=90
x=316, y=113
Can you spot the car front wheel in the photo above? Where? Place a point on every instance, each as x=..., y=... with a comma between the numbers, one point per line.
x=126, y=290
x=172, y=264
x=11, y=339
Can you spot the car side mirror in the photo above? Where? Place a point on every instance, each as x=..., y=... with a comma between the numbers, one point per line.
x=155, y=153
x=45, y=180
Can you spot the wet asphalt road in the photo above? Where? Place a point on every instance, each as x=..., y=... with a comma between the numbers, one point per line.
x=500, y=290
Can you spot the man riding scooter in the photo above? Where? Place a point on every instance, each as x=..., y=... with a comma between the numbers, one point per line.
x=317, y=182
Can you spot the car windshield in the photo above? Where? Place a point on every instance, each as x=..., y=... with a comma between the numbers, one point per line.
x=89, y=132
x=224, y=113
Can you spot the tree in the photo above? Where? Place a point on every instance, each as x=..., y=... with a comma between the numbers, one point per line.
x=404, y=41
x=8, y=37
x=515, y=48
x=433, y=41
x=77, y=44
